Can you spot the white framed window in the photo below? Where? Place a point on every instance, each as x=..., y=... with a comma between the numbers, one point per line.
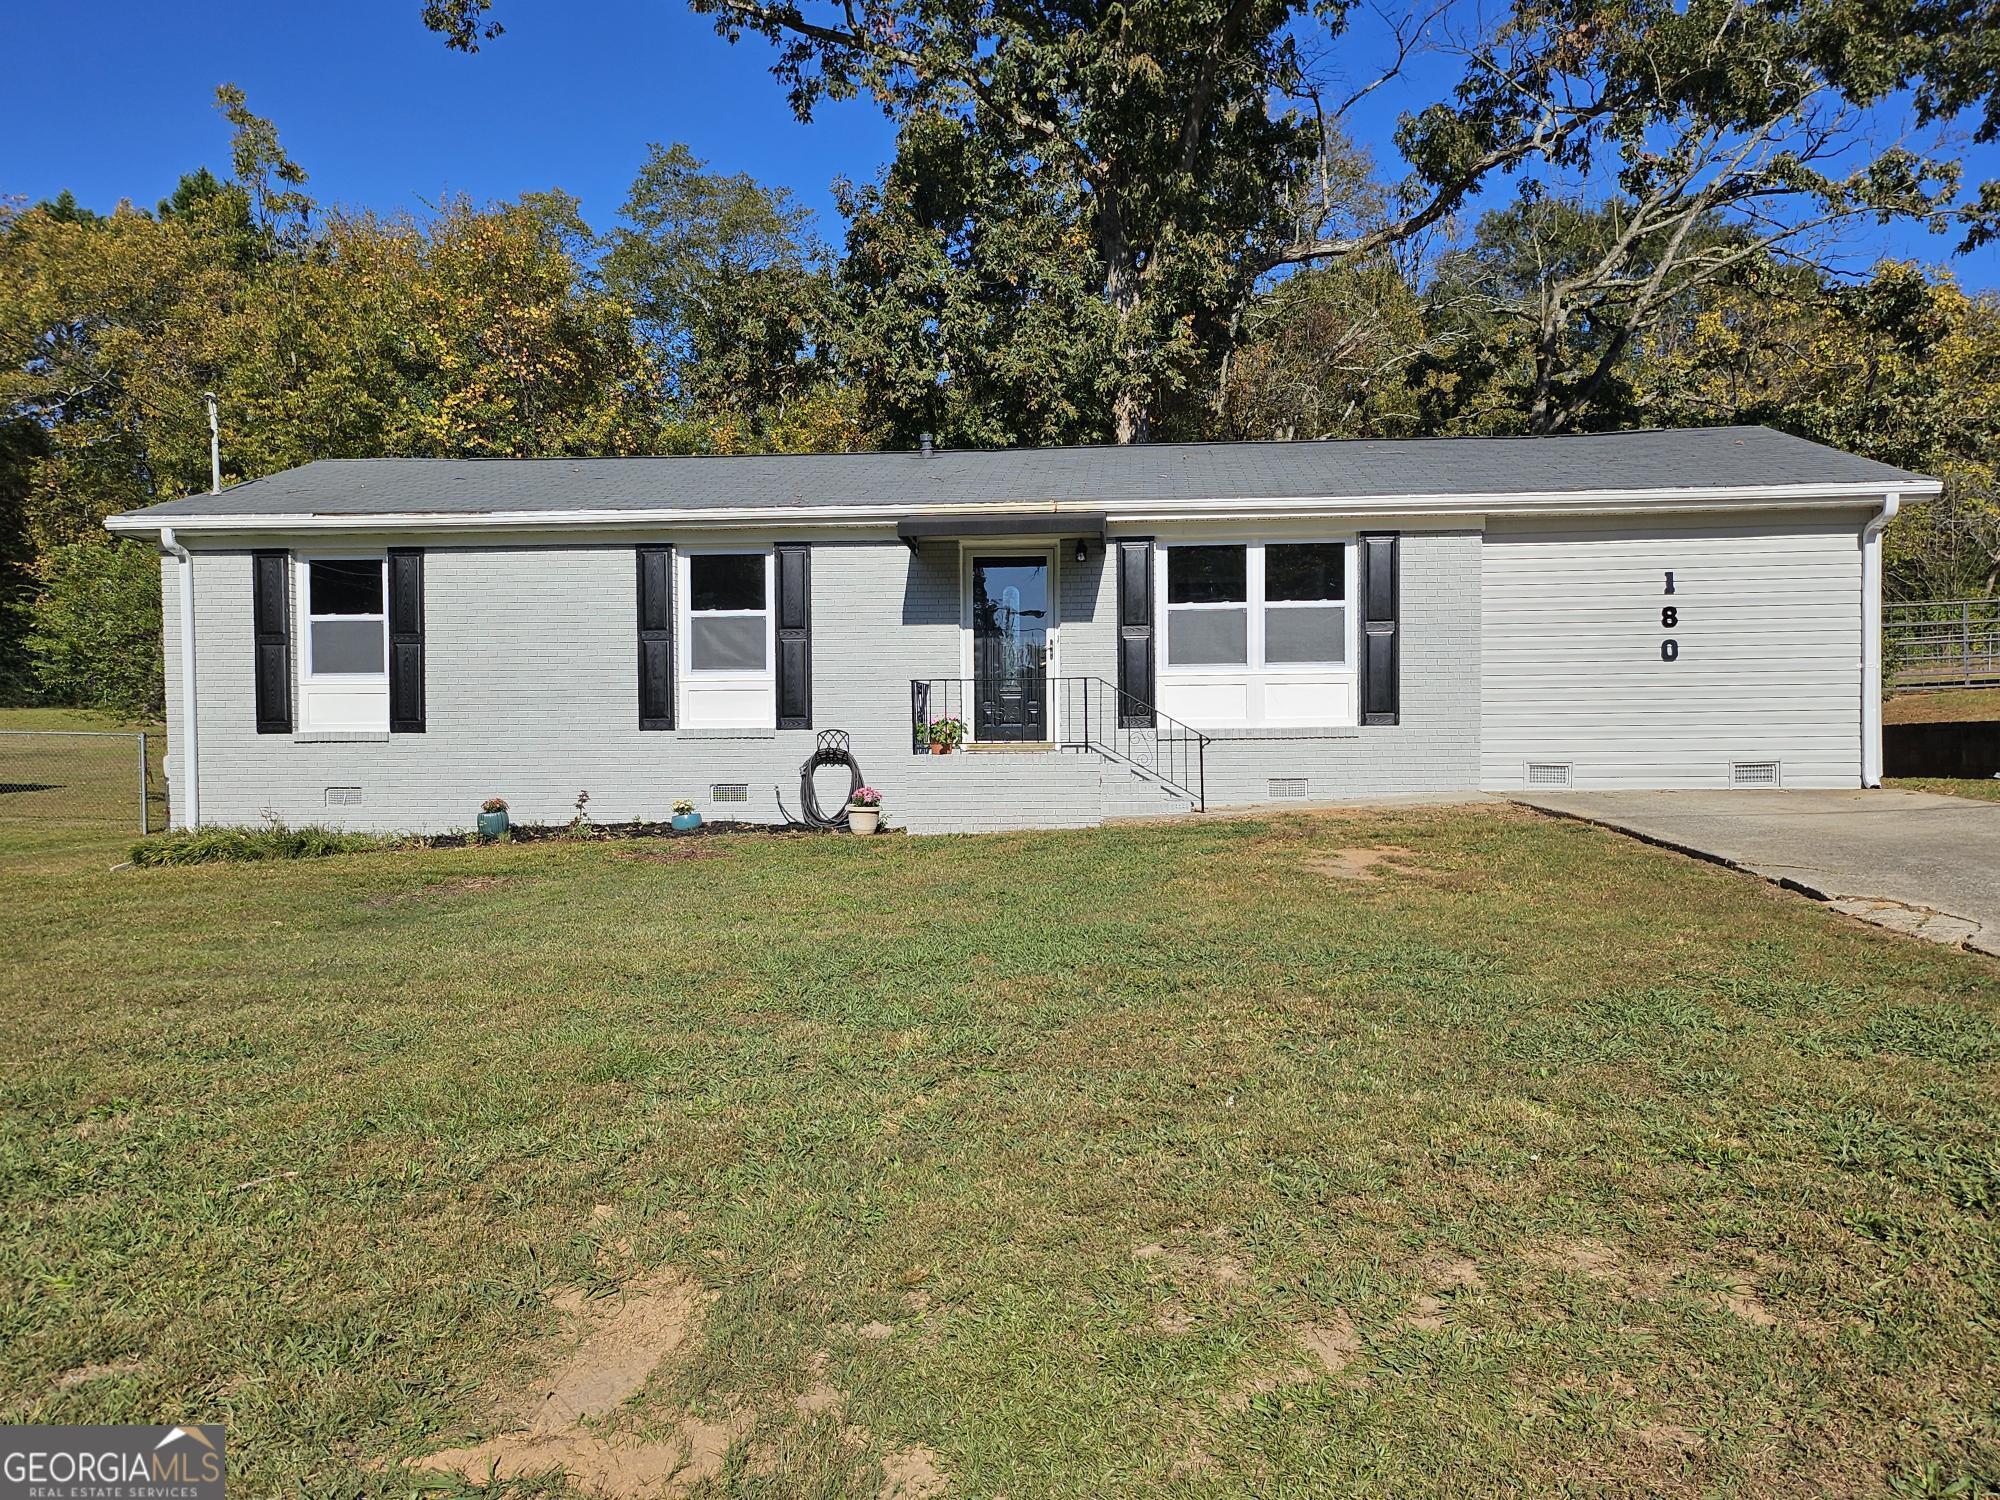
x=1305, y=604
x=342, y=653
x=726, y=632
x=1208, y=605
x=1257, y=632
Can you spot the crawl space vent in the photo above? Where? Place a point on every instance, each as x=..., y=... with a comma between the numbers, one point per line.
x=343, y=796
x=1754, y=773
x=1288, y=788
x=1548, y=773
x=729, y=791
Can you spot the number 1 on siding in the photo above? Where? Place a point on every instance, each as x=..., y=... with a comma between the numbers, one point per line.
x=1670, y=581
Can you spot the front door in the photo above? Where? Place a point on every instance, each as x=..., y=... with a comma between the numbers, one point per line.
x=1010, y=648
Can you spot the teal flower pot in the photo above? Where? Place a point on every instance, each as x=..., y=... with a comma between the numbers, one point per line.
x=492, y=824
x=686, y=822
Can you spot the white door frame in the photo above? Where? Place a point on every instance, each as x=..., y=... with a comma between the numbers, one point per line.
x=1050, y=552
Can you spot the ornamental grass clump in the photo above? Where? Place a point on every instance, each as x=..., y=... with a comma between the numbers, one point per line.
x=201, y=846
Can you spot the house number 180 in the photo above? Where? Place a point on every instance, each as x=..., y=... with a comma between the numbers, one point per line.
x=1670, y=617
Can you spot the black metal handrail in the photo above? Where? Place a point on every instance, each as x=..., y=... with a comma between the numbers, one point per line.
x=1091, y=714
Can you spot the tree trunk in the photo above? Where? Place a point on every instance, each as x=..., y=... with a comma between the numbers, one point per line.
x=1130, y=419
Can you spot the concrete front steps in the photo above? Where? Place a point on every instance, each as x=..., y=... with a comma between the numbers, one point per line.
x=986, y=791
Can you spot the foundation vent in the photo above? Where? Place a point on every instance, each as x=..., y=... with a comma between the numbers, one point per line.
x=1288, y=789
x=1548, y=773
x=729, y=791
x=343, y=796
x=1754, y=773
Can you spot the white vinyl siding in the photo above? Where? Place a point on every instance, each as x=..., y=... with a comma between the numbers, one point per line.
x=1767, y=631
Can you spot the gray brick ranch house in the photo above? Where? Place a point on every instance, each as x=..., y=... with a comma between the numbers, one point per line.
x=382, y=643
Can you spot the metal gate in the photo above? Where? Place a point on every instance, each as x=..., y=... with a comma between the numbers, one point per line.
x=1944, y=643
x=105, y=778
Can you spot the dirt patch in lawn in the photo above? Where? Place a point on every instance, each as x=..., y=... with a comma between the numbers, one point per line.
x=1360, y=864
x=1333, y=1342
x=1584, y=1257
x=1333, y=1345
x=442, y=890
x=672, y=853
x=1742, y=1300
x=84, y=1374
x=911, y=1474
x=624, y=1340
x=1447, y=1280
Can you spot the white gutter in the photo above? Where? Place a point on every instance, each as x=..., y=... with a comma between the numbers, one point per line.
x=1871, y=640
x=1557, y=502
x=187, y=784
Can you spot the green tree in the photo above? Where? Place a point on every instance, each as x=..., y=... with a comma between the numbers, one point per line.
x=1192, y=187
x=94, y=627
x=735, y=297
x=1328, y=353
x=1903, y=367
x=973, y=297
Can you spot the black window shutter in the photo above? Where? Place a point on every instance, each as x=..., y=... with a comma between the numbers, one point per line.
x=656, y=637
x=1135, y=633
x=406, y=640
x=271, y=628
x=1381, y=676
x=795, y=707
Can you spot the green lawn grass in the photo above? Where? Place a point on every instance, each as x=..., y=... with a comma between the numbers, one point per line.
x=1942, y=706
x=1984, y=788
x=1602, y=1171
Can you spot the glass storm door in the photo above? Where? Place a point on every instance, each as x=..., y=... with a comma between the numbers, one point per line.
x=1010, y=648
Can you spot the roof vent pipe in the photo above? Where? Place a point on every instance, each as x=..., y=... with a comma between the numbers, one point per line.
x=924, y=445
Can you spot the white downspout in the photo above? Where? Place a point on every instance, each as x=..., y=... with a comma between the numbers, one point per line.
x=187, y=787
x=1871, y=640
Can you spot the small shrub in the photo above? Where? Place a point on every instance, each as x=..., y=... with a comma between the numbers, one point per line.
x=200, y=846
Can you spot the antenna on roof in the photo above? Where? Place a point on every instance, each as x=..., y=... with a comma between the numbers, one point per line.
x=214, y=444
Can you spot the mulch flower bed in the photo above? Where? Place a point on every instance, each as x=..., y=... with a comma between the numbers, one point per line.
x=536, y=833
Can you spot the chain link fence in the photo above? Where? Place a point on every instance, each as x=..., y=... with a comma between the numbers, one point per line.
x=96, y=777
x=1943, y=643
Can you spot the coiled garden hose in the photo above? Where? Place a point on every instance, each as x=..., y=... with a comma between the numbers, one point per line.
x=832, y=750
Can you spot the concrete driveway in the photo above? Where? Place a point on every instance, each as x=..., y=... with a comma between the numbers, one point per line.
x=1914, y=861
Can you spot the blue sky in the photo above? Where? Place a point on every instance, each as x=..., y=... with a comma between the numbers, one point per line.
x=114, y=99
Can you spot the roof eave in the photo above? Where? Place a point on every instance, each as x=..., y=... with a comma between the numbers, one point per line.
x=1574, y=502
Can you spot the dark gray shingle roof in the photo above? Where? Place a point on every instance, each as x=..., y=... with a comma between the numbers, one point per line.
x=1698, y=458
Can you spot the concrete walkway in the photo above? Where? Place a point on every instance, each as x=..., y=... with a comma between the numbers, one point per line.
x=1914, y=861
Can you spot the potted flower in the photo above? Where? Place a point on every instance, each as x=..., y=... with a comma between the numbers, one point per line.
x=493, y=818
x=686, y=819
x=945, y=735
x=864, y=810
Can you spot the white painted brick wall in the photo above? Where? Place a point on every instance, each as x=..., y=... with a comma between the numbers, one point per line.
x=532, y=696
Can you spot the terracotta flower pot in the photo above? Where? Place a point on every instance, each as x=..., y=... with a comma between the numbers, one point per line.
x=939, y=747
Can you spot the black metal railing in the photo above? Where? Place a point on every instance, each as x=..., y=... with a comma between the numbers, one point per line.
x=1090, y=714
